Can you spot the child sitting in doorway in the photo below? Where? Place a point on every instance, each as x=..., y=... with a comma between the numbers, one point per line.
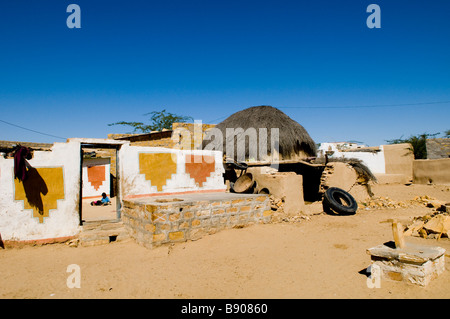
x=104, y=201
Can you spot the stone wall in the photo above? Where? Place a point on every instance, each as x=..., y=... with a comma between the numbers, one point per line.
x=438, y=148
x=156, y=221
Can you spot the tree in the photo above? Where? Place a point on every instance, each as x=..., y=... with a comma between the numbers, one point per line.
x=447, y=134
x=158, y=121
x=418, y=144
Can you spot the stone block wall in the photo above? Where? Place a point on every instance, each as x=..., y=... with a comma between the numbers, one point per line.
x=156, y=222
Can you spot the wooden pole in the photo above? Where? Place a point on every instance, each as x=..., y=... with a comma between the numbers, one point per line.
x=397, y=231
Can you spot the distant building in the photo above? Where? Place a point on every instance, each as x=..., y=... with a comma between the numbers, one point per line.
x=438, y=148
x=330, y=148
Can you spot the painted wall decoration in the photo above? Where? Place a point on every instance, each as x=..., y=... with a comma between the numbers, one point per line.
x=157, y=168
x=41, y=190
x=147, y=171
x=200, y=167
x=96, y=176
x=45, y=206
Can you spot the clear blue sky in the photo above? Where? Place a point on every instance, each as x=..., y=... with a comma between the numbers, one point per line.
x=209, y=59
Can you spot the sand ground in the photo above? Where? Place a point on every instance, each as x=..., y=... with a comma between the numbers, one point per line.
x=93, y=213
x=323, y=257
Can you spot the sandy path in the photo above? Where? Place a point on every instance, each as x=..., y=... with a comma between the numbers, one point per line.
x=92, y=213
x=317, y=258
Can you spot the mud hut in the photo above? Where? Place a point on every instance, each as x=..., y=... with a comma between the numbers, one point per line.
x=261, y=133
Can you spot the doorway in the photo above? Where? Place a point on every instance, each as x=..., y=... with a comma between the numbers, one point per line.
x=99, y=173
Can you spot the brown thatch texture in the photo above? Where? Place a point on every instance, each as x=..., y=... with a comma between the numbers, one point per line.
x=293, y=142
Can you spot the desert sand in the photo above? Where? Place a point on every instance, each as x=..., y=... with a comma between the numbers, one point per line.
x=323, y=256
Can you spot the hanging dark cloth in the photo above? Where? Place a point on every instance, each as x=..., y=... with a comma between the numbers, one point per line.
x=21, y=155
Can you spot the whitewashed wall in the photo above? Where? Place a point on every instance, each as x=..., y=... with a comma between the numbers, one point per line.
x=375, y=161
x=134, y=183
x=17, y=223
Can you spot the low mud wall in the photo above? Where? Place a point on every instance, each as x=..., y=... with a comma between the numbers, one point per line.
x=435, y=171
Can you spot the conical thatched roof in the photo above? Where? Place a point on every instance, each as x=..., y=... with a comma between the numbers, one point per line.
x=293, y=140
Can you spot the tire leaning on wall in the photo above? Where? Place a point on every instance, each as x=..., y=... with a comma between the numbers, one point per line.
x=340, y=201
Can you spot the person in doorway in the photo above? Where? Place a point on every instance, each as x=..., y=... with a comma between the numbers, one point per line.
x=104, y=201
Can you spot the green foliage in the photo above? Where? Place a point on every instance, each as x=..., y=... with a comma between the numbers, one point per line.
x=418, y=144
x=447, y=134
x=158, y=121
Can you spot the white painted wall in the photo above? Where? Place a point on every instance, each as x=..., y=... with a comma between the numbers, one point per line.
x=17, y=223
x=88, y=189
x=133, y=183
x=374, y=161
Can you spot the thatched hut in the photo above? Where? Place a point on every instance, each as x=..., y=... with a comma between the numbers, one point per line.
x=267, y=134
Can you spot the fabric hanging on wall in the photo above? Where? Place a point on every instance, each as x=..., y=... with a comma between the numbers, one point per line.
x=20, y=162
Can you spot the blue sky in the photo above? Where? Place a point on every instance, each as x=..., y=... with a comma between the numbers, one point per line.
x=315, y=60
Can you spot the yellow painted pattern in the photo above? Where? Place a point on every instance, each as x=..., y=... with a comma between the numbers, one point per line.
x=157, y=167
x=41, y=190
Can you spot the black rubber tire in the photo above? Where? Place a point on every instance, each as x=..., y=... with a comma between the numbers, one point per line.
x=333, y=199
